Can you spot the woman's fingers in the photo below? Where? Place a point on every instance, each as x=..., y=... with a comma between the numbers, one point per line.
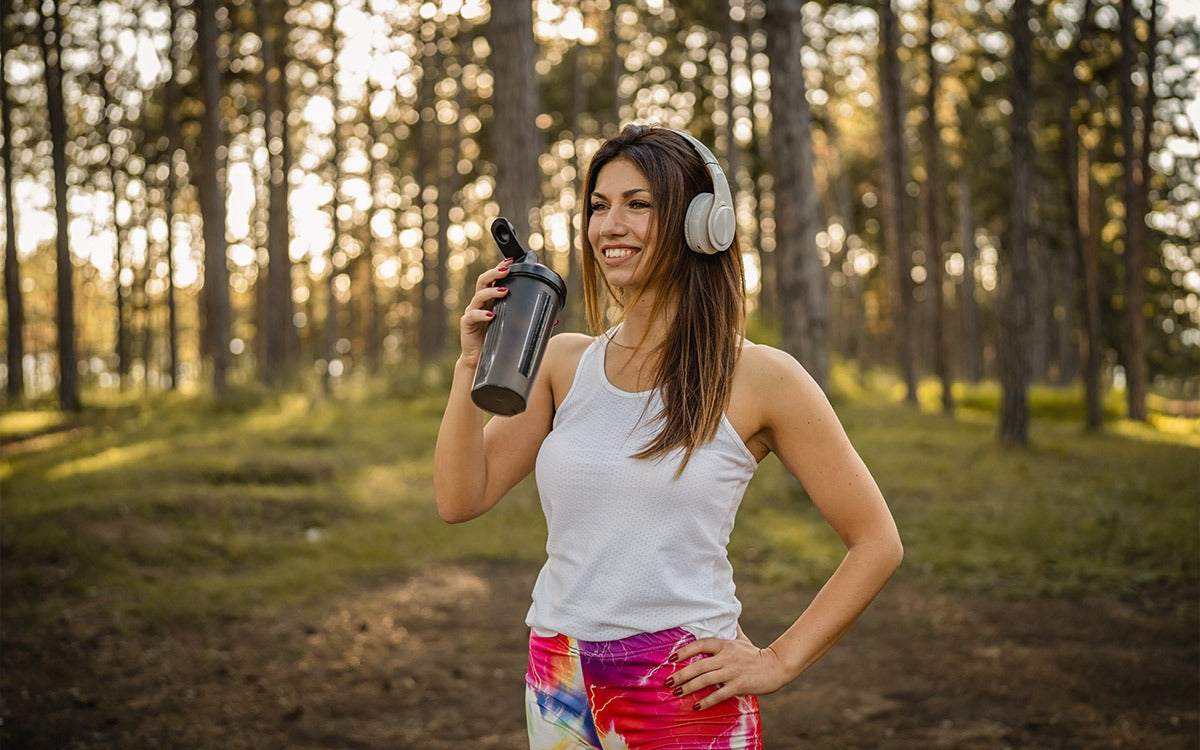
x=490, y=276
x=736, y=667
x=484, y=297
x=478, y=312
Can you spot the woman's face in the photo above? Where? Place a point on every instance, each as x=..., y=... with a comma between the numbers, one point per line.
x=622, y=225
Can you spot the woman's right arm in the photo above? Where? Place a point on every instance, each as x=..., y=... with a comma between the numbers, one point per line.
x=475, y=464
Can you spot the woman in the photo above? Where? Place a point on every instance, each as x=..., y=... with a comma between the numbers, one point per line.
x=644, y=439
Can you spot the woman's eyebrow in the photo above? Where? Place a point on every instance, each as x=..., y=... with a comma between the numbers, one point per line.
x=626, y=194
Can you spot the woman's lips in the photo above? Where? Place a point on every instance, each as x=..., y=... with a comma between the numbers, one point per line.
x=616, y=255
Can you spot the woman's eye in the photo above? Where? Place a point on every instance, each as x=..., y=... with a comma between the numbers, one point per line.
x=639, y=204
x=597, y=207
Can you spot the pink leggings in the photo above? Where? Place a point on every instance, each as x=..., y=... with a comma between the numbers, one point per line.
x=604, y=695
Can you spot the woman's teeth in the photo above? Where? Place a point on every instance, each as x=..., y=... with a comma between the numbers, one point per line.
x=618, y=252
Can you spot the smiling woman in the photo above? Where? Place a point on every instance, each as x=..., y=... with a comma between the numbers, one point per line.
x=645, y=438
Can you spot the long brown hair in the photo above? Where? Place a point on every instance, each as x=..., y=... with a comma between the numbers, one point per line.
x=695, y=367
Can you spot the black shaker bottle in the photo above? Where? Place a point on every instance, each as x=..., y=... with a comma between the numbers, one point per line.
x=517, y=336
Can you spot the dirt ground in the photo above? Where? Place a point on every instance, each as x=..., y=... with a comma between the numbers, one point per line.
x=436, y=661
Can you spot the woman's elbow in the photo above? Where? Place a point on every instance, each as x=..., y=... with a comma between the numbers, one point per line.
x=455, y=506
x=893, y=552
x=453, y=512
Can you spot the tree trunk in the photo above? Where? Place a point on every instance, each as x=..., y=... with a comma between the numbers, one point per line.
x=572, y=314
x=1017, y=282
x=516, y=141
x=174, y=140
x=1135, y=225
x=1090, y=208
x=895, y=217
x=448, y=183
x=332, y=307
x=432, y=337
x=853, y=333
x=373, y=249
x=14, y=306
x=1076, y=169
x=111, y=168
x=732, y=153
x=768, y=294
x=933, y=222
x=803, y=290
x=216, y=270
x=972, y=349
x=50, y=36
x=1039, y=315
x=616, y=66
x=279, y=313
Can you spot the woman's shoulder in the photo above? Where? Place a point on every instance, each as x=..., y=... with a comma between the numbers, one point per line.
x=760, y=358
x=768, y=371
x=563, y=353
x=568, y=344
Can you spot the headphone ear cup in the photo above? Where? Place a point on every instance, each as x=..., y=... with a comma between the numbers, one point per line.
x=722, y=223
x=695, y=226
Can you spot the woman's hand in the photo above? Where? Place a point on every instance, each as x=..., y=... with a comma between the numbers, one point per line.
x=736, y=667
x=475, y=318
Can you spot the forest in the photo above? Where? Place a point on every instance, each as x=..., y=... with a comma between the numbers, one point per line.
x=239, y=235
x=222, y=192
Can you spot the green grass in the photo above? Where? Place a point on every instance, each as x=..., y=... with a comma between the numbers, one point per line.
x=181, y=507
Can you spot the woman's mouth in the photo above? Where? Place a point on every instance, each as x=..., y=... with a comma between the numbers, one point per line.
x=618, y=253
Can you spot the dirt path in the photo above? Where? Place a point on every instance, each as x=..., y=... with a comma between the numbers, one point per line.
x=436, y=662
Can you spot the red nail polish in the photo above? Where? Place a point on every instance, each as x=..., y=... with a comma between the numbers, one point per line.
x=490, y=314
x=673, y=658
x=501, y=289
x=696, y=707
x=669, y=681
x=677, y=691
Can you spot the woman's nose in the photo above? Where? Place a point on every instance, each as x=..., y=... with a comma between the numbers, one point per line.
x=613, y=223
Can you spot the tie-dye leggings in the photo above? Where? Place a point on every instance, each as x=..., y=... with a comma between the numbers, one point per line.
x=605, y=695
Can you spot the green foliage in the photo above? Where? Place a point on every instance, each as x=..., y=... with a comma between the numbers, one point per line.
x=174, y=508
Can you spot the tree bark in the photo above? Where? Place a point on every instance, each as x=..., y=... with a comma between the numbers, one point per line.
x=111, y=168
x=1135, y=225
x=332, y=332
x=803, y=290
x=972, y=349
x=1091, y=212
x=14, y=306
x=279, y=313
x=212, y=136
x=1078, y=199
x=1016, y=278
x=895, y=217
x=374, y=348
x=572, y=314
x=432, y=338
x=852, y=341
x=174, y=140
x=516, y=141
x=50, y=37
x=933, y=221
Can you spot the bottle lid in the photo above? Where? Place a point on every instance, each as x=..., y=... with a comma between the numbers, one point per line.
x=529, y=266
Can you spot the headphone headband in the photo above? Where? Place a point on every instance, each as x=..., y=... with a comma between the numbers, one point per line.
x=710, y=223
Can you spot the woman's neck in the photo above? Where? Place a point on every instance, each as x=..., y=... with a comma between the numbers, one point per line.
x=642, y=327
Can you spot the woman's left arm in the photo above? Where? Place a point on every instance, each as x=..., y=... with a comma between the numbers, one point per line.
x=800, y=427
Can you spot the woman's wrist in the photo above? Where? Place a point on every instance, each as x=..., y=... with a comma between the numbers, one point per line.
x=466, y=364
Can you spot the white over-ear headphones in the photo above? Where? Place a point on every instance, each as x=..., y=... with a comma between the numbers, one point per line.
x=710, y=222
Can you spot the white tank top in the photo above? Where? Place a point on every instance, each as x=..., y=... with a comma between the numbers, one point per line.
x=632, y=549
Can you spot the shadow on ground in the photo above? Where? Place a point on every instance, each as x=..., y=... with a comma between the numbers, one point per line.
x=436, y=661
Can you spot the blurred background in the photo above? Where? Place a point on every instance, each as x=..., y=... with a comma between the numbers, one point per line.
x=206, y=193
x=238, y=238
